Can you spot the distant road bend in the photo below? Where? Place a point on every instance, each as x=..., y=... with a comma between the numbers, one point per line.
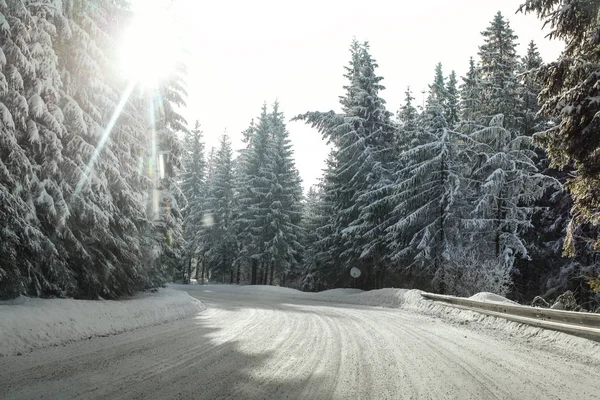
x=274, y=347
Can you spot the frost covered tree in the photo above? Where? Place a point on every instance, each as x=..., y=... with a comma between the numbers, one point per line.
x=320, y=269
x=254, y=179
x=437, y=90
x=498, y=72
x=470, y=96
x=221, y=246
x=531, y=121
x=424, y=219
x=86, y=194
x=504, y=184
x=193, y=186
x=452, y=106
x=21, y=231
x=408, y=123
x=284, y=245
x=363, y=138
x=269, y=201
x=570, y=93
x=313, y=219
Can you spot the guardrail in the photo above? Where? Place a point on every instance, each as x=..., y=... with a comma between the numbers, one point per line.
x=581, y=324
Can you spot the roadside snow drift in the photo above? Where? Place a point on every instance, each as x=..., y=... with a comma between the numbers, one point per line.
x=29, y=323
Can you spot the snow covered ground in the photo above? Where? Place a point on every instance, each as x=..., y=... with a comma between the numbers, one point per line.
x=27, y=324
x=412, y=301
x=274, y=343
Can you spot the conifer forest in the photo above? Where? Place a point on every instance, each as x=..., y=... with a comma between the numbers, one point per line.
x=491, y=184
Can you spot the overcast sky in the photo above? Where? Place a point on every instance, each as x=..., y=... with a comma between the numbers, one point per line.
x=242, y=53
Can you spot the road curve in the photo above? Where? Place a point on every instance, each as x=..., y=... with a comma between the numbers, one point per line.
x=273, y=347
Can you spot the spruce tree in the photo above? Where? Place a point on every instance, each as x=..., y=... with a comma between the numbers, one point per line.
x=437, y=90
x=531, y=121
x=471, y=97
x=284, y=246
x=504, y=185
x=220, y=208
x=569, y=94
x=254, y=180
x=408, y=123
x=452, y=106
x=86, y=140
x=424, y=221
x=498, y=68
x=194, y=189
x=363, y=139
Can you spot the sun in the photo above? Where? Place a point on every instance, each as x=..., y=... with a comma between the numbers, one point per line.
x=149, y=49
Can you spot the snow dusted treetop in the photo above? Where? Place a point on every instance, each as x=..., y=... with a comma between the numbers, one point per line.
x=452, y=101
x=471, y=96
x=499, y=65
x=437, y=90
x=530, y=90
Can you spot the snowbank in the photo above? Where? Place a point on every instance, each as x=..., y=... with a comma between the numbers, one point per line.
x=391, y=298
x=30, y=323
x=491, y=297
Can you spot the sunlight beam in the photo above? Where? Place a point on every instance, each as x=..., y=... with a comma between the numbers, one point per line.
x=105, y=135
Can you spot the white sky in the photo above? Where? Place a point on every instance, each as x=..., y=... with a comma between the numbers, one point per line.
x=242, y=53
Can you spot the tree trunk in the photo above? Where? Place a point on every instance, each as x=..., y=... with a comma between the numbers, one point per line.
x=283, y=276
x=231, y=276
x=237, y=279
x=197, y=274
x=203, y=273
x=260, y=274
x=498, y=223
x=266, y=275
x=254, y=271
x=271, y=277
x=189, y=273
x=438, y=256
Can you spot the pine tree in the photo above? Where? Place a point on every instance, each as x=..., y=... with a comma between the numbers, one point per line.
x=315, y=219
x=100, y=158
x=21, y=232
x=504, y=183
x=530, y=90
x=570, y=94
x=452, y=106
x=471, y=97
x=220, y=207
x=363, y=139
x=499, y=65
x=437, y=90
x=194, y=189
x=408, y=123
x=254, y=184
x=284, y=246
x=425, y=220
x=87, y=232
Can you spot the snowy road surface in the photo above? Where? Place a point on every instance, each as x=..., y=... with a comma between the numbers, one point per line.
x=249, y=346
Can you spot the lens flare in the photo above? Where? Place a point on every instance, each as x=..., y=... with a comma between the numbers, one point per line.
x=149, y=48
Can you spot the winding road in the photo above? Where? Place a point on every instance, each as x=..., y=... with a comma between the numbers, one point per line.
x=247, y=346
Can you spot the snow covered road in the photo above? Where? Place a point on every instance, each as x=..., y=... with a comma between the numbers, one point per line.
x=247, y=346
